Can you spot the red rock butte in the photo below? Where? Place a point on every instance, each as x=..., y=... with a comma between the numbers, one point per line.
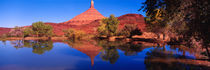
x=89, y=22
x=86, y=17
x=4, y=31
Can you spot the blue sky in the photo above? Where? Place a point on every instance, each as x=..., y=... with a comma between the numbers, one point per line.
x=25, y=12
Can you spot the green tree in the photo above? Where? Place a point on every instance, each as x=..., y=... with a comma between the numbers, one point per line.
x=108, y=26
x=40, y=29
x=27, y=32
x=156, y=21
x=188, y=18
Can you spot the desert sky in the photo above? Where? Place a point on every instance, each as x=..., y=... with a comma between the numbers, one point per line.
x=25, y=12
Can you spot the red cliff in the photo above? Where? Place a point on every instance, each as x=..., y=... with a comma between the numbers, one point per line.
x=86, y=17
x=4, y=30
x=132, y=19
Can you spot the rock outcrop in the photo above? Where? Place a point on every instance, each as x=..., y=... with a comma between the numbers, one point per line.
x=4, y=30
x=132, y=19
x=90, y=28
x=86, y=17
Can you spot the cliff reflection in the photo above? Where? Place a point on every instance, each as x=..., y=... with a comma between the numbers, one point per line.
x=160, y=57
x=87, y=47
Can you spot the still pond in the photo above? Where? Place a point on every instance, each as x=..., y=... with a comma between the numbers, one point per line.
x=94, y=55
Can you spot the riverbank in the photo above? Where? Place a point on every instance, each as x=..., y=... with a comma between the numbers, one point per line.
x=146, y=37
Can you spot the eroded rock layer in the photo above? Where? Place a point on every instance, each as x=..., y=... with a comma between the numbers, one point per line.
x=86, y=17
x=4, y=31
x=91, y=28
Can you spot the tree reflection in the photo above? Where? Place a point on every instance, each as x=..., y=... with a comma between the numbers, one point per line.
x=110, y=52
x=161, y=59
x=39, y=46
x=131, y=49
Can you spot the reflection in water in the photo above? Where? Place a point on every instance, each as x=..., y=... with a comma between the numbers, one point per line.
x=39, y=46
x=110, y=54
x=162, y=57
x=131, y=49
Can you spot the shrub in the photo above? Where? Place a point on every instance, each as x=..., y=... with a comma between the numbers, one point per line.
x=74, y=34
x=16, y=32
x=130, y=30
x=27, y=32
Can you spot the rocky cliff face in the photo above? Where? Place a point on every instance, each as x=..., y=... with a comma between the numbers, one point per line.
x=132, y=19
x=85, y=18
x=4, y=30
x=91, y=27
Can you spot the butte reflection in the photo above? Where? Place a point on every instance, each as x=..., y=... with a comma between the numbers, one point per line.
x=87, y=47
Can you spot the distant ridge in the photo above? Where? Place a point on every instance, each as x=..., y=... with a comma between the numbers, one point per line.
x=4, y=30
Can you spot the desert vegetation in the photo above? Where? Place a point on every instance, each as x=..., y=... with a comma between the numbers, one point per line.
x=74, y=34
x=109, y=27
x=185, y=21
x=173, y=34
x=130, y=30
x=39, y=29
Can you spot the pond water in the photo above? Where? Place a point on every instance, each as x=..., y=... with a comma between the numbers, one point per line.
x=93, y=55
